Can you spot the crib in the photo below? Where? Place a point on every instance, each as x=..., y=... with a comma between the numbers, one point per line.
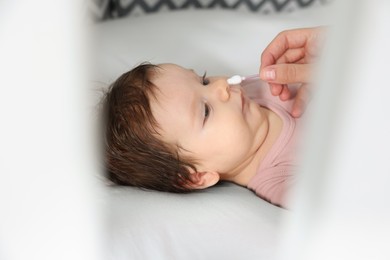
x=56, y=203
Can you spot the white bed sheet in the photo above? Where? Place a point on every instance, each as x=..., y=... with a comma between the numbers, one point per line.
x=225, y=222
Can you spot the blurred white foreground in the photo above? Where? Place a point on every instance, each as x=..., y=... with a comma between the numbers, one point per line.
x=343, y=204
x=48, y=193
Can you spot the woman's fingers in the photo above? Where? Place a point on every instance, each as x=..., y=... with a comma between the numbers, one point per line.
x=287, y=73
x=301, y=100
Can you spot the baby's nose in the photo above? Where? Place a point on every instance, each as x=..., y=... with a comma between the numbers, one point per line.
x=223, y=89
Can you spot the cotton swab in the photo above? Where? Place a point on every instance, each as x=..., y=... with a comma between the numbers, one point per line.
x=237, y=79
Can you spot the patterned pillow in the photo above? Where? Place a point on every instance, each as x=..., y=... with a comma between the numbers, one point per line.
x=109, y=9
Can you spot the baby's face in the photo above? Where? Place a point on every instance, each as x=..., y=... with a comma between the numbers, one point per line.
x=211, y=121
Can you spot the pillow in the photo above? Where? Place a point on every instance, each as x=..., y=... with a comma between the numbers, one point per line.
x=109, y=9
x=223, y=222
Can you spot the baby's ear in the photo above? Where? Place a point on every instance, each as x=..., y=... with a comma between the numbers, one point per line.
x=202, y=180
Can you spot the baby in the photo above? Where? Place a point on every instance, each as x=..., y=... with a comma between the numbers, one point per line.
x=169, y=129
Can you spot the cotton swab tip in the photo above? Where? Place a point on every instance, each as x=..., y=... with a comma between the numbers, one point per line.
x=236, y=79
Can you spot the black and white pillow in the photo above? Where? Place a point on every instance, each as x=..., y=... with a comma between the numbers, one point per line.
x=109, y=9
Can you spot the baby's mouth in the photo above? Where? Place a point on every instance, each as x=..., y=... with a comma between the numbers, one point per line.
x=242, y=95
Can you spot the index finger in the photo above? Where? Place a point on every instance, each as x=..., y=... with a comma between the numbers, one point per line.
x=290, y=39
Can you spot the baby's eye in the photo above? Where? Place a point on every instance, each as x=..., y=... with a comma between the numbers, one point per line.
x=206, y=112
x=205, y=81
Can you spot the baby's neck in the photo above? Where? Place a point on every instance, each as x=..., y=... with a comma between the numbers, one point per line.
x=251, y=167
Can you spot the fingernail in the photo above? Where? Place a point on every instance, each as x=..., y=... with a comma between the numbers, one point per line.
x=269, y=74
x=297, y=112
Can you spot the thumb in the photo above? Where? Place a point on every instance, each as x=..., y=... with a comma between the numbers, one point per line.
x=287, y=73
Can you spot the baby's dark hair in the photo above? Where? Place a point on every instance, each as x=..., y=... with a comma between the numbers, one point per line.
x=133, y=152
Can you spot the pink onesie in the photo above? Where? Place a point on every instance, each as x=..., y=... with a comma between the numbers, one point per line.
x=276, y=173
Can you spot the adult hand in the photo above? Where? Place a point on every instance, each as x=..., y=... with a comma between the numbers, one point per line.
x=288, y=59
